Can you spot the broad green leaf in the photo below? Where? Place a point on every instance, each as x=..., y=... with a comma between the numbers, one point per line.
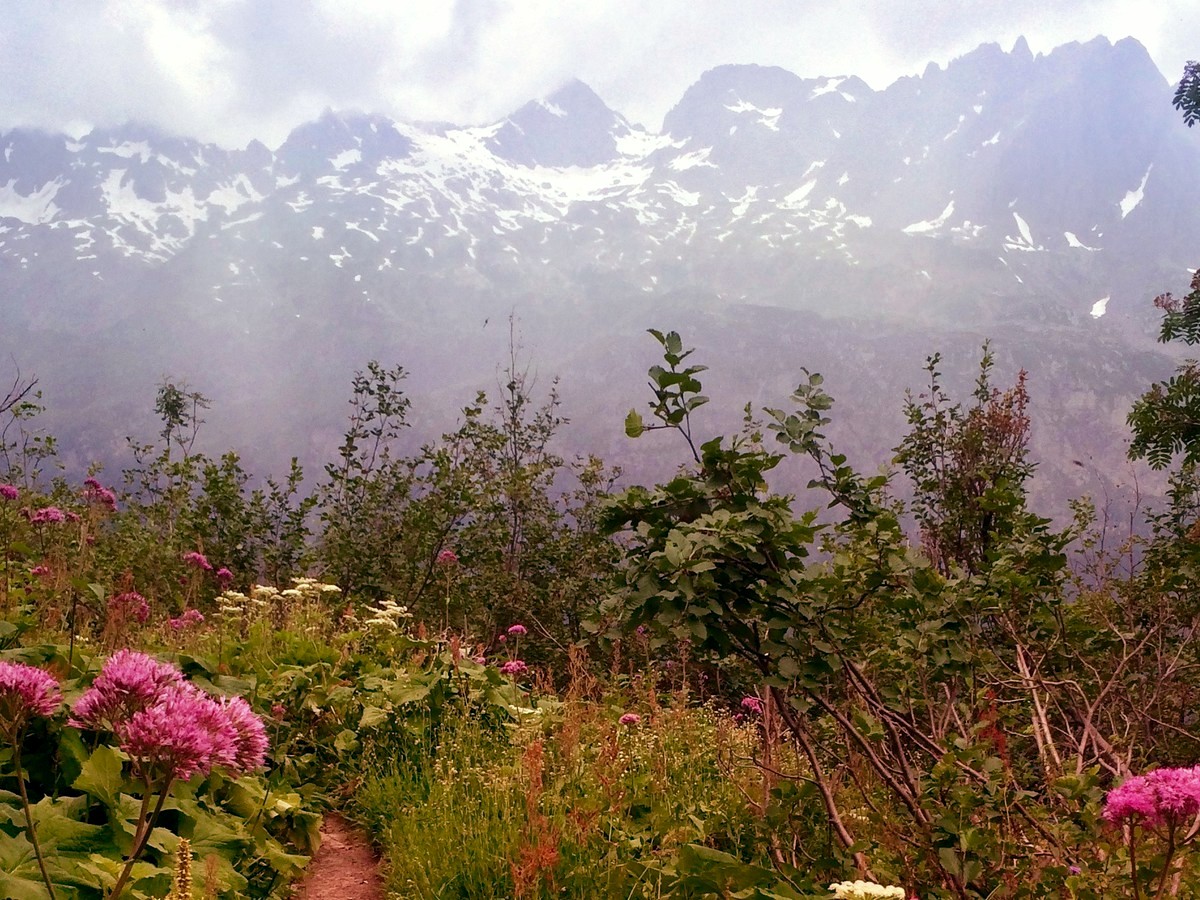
x=101, y=776
x=373, y=716
x=634, y=427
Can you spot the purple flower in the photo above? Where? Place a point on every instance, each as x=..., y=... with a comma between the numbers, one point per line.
x=50, y=514
x=752, y=704
x=183, y=733
x=9, y=492
x=1074, y=870
x=131, y=605
x=128, y=683
x=250, y=745
x=514, y=667
x=481, y=660
x=447, y=557
x=197, y=559
x=224, y=575
x=630, y=719
x=26, y=692
x=1164, y=795
x=517, y=630
x=190, y=617
x=167, y=726
x=97, y=493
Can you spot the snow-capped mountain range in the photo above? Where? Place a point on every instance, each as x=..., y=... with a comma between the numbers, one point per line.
x=1003, y=191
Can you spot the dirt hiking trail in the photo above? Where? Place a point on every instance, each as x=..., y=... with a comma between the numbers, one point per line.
x=345, y=867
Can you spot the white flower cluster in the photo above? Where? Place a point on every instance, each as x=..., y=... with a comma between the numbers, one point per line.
x=236, y=605
x=311, y=589
x=865, y=890
x=388, y=614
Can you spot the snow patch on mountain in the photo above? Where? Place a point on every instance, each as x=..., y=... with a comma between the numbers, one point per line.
x=931, y=225
x=692, y=160
x=1073, y=241
x=768, y=117
x=798, y=199
x=33, y=209
x=1132, y=198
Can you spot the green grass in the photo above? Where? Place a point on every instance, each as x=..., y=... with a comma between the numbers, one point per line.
x=566, y=804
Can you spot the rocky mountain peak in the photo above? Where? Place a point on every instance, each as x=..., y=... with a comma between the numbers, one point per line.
x=570, y=127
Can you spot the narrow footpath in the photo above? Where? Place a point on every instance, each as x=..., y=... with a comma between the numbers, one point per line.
x=345, y=867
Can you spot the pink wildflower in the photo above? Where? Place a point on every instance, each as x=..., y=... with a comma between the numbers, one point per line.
x=447, y=557
x=183, y=733
x=128, y=683
x=752, y=704
x=630, y=718
x=97, y=493
x=190, y=617
x=197, y=559
x=130, y=605
x=517, y=630
x=278, y=711
x=224, y=575
x=9, y=492
x=514, y=667
x=250, y=745
x=1164, y=795
x=40, y=571
x=26, y=692
x=480, y=660
x=48, y=515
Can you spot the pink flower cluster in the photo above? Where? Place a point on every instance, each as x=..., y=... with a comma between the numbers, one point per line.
x=630, y=719
x=514, y=667
x=189, y=618
x=1164, y=796
x=517, y=630
x=752, y=705
x=170, y=728
x=129, y=605
x=26, y=692
x=224, y=575
x=198, y=560
x=95, y=492
x=47, y=515
x=447, y=557
x=9, y=492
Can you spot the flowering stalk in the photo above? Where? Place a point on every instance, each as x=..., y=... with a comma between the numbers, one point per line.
x=26, y=692
x=141, y=834
x=1162, y=801
x=170, y=730
x=29, y=829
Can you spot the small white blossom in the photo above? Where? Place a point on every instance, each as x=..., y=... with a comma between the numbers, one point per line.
x=866, y=890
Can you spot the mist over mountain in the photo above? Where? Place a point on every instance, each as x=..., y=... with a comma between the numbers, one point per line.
x=776, y=221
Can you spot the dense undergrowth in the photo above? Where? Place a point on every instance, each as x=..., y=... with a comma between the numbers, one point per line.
x=527, y=685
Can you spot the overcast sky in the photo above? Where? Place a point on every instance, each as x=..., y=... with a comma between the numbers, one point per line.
x=232, y=70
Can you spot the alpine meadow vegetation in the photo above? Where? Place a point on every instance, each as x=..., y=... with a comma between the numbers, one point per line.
x=527, y=679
